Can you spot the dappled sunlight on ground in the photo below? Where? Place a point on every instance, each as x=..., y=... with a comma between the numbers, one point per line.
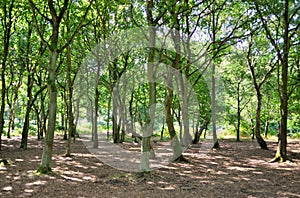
x=238, y=169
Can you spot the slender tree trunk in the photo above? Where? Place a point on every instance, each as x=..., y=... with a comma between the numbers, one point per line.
x=175, y=144
x=162, y=132
x=27, y=114
x=108, y=115
x=252, y=129
x=238, y=114
x=3, y=87
x=12, y=110
x=3, y=93
x=260, y=140
x=266, y=128
x=95, y=114
x=95, y=117
x=38, y=118
x=44, y=116
x=45, y=166
x=213, y=109
x=63, y=115
x=7, y=20
x=213, y=87
x=281, y=154
x=116, y=132
x=69, y=102
x=200, y=131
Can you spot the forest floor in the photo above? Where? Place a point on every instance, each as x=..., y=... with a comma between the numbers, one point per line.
x=238, y=169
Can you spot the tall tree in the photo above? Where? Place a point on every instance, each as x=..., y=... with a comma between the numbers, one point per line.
x=281, y=32
x=7, y=11
x=57, y=13
x=252, y=64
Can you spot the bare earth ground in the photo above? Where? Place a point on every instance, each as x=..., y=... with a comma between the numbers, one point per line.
x=236, y=170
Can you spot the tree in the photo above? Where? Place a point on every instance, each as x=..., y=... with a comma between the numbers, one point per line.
x=237, y=83
x=252, y=63
x=223, y=31
x=54, y=49
x=31, y=67
x=281, y=31
x=7, y=9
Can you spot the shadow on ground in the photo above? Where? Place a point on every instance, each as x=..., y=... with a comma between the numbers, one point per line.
x=238, y=169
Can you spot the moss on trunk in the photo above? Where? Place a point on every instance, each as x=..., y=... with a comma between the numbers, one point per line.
x=44, y=170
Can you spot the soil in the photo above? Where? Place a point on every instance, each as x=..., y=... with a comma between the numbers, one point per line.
x=238, y=169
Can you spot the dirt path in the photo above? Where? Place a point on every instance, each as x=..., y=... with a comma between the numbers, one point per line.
x=237, y=170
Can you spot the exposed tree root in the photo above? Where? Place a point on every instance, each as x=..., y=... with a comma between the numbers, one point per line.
x=44, y=170
x=280, y=159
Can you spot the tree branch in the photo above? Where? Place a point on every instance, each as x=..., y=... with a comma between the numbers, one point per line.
x=78, y=27
x=268, y=31
x=32, y=7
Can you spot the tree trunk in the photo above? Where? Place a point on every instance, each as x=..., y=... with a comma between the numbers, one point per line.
x=266, y=128
x=13, y=109
x=278, y=132
x=44, y=115
x=27, y=114
x=260, y=140
x=252, y=129
x=199, y=132
x=45, y=166
x=95, y=117
x=63, y=116
x=175, y=143
x=162, y=132
x=107, y=119
x=95, y=114
x=213, y=86
x=39, y=122
x=69, y=102
x=116, y=132
x=7, y=21
x=238, y=114
x=148, y=129
x=281, y=154
x=213, y=109
x=3, y=88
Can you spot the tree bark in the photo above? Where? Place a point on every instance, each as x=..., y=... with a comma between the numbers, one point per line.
x=281, y=154
x=148, y=129
x=45, y=166
x=175, y=144
x=8, y=22
x=27, y=114
x=200, y=131
x=13, y=109
x=260, y=140
x=238, y=114
x=69, y=102
x=266, y=128
x=213, y=86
